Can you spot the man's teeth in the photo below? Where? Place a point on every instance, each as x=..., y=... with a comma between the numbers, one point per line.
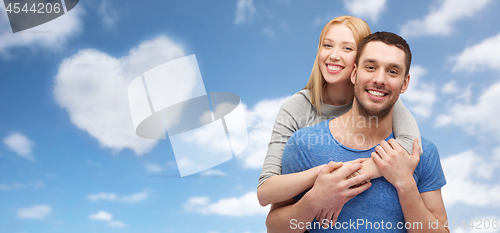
x=376, y=93
x=334, y=68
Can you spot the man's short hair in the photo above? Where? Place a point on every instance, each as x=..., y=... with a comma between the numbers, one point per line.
x=388, y=38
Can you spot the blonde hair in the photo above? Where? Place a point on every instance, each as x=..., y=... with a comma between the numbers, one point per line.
x=360, y=30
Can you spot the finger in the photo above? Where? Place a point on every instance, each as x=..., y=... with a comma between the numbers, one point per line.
x=416, y=148
x=355, y=191
x=326, y=220
x=380, y=151
x=318, y=215
x=359, y=179
x=360, y=160
x=348, y=169
x=322, y=216
x=387, y=148
x=330, y=167
x=336, y=214
x=393, y=143
x=330, y=216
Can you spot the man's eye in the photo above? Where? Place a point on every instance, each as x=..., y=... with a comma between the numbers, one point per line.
x=370, y=67
x=393, y=72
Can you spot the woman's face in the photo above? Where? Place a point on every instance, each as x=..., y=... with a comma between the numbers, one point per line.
x=337, y=55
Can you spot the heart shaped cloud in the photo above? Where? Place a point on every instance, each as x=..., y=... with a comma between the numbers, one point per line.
x=92, y=87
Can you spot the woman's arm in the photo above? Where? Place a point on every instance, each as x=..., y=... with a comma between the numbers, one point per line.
x=274, y=187
x=280, y=188
x=405, y=127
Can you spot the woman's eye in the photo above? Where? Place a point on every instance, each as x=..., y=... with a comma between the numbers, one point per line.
x=327, y=46
x=348, y=48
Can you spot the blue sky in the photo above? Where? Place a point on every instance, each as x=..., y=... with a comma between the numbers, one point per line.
x=70, y=162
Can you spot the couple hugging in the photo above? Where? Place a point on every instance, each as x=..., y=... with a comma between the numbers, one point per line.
x=345, y=154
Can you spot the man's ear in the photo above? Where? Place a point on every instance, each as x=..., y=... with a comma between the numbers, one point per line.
x=406, y=82
x=353, y=74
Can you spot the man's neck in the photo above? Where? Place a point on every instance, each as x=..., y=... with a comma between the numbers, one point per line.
x=357, y=131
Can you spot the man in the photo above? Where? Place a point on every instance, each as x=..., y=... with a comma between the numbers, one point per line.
x=408, y=196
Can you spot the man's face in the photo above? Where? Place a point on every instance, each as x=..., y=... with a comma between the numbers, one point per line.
x=379, y=78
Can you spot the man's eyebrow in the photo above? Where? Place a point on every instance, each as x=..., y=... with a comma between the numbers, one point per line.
x=369, y=60
x=394, y=65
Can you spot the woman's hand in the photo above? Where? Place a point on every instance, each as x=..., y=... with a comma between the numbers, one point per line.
x=359, y=172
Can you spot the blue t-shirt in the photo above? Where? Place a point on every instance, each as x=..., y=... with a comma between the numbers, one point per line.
x=374, y=210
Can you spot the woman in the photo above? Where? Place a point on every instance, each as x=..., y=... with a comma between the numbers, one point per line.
x=328, y=93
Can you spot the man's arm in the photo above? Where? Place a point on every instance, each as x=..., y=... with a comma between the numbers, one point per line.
x=331, y=190
x=427, y=208
x=398, y=168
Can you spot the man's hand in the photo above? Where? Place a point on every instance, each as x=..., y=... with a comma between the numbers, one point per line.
x=394, y=162
x=332, y=189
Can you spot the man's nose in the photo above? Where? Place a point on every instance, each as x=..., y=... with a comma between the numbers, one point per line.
x=380, y=77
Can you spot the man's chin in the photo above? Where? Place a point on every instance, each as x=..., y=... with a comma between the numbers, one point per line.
x=374, y=110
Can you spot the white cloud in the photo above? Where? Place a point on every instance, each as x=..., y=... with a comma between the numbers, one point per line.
x=420, y=95
x=92, y=87
x=441, y=19
x=451, y=87
x=244, y=11
x=105, y=216
x=92, y=163
x=35, y=184
x=35, y=212
x=20, y=144
x=462, y=171
x=101, y=215
x=132, y=198
x=108, y=13
x=480, y=118
x=116, y=224
x=247, y=205
x=212, y=172
x=52, y=35
x=269, y=32
x=365, y=8
x=102, y=196
x=486, y=54
x=136, y=197
x=152, y=168
x=260, y=122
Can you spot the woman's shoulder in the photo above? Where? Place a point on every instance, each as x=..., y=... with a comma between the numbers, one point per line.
x=299, y=108
x=298, y=100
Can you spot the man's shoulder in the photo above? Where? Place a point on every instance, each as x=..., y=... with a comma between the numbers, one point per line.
x=428, y=147
x=430, y=156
